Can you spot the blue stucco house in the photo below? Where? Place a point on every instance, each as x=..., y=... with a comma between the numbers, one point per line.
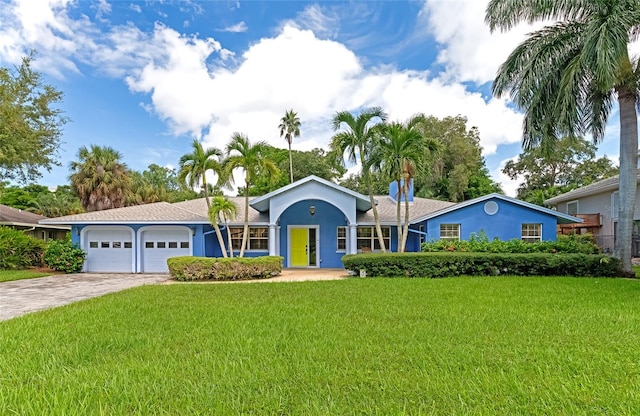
x=311, y=223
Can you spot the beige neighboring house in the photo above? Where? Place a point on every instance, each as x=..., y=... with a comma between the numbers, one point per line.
x=28, y=223
x=597, y=205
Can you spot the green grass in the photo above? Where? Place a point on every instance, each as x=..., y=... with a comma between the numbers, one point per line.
x=9, y=275
x=359, y=346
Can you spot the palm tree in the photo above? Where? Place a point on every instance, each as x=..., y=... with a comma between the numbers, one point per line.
x=356, y=141
x=290, y=128
x=194, y=167
x=567, y=76
x=248, y=157
x=399, y=153
x=222, y=210
x=99, y=178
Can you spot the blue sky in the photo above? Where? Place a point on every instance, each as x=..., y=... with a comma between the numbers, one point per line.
x=146, y=77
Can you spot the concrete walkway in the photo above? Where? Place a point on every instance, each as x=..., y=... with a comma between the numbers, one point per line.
x=24, y=296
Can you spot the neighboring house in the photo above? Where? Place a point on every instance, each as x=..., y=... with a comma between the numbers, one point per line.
x=311, y=223
x=28, y=222
x=597, y=204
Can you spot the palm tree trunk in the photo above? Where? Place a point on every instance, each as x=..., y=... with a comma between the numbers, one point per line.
x=245, y=232
x=374, y=208
x=229, y=243
x=628, y=176
x=398, y=217
x=405, y=233
x=220, y=240
x=206, y=192
x=290, y=163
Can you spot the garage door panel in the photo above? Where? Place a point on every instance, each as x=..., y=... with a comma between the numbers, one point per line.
x=161, y=244
x=109, y=250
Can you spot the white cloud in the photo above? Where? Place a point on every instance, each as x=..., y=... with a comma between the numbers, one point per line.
x=135, y=7
x=509, y=186
x=237, y=28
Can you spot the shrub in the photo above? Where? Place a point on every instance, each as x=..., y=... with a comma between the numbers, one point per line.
x=480, y=243
x=64, y=256
x=239, y=268
x=18, y=250
x=482, y=264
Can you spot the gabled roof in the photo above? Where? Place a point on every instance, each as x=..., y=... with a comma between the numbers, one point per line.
x=562, y=218
x=200, y=206
x=261, y=203
x=606, y=185
x=9, y=215
x=387, y=209
x=159, y=212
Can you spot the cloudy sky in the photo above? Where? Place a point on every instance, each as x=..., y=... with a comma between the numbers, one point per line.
x=146, y=77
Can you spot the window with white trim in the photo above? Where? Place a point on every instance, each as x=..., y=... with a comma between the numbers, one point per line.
x=258, y=238
x=368, y=238
x=342, y=238
x=572, y=208
x=531, y=233
x=450, y=232
x=423, y=237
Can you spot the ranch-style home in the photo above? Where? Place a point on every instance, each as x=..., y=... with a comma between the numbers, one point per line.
x=311, y=223
x=28, y=223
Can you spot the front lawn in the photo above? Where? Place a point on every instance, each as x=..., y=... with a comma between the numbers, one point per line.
x=359, y=346
x=9, y=275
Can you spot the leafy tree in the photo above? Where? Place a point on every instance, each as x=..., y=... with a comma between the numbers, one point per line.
x=312, y=162
x=399, y=153
x=242, y=154
x=290, y=128
x=30, y=125
x=571, y=165
x=356, y=141
x=195, y=165
x=24, y=198
x=221, y=210
x=567, y=76
x=458, y=169
x=100, y=179
x=58, y=203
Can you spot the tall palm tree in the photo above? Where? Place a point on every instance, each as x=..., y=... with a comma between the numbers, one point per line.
x=222, y=210
x=99, y=178
x=357, y=141
x=399, y=153
x=567, y=76
x=250, y=158
x=195, y=165
x=290, y=128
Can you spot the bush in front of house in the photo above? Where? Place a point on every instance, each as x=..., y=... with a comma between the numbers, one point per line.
x=18, y=250
x=63, y=256
x=188, y=268
x=482, y=264
x=480, y=243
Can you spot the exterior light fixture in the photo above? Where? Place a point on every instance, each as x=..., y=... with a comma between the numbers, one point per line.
x=312, y=210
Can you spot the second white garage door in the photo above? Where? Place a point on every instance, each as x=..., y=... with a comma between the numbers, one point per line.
x=158, y=244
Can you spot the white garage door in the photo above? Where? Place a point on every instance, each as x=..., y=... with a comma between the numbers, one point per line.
x=160, y=244
x=109, y=250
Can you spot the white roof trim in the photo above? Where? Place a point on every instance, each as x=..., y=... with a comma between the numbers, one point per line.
x=562, y=218
x=261, y=203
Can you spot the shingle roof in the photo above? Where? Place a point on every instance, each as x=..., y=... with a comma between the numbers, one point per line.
x=13, y=215
x=605, y=185
x=149, y=213
x=387, y=209
x=200, y=206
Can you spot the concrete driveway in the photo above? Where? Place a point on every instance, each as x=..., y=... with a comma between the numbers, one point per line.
x=23, y=296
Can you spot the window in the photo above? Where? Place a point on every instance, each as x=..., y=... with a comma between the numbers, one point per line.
x=127, y=244
x=184, y=244
x=572, y=207
x=148, y=244
x=368, y=238
x=161, y=244
x=93, y=244
x=117, y=244
x=423, y=237
x=173, y=244
x=104, y=244
x=450, y=232
x=342, y=239
x=258, y=238
x=531, y=232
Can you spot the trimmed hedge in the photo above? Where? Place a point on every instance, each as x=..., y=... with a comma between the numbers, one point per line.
x=188, y=268
x=482, y=264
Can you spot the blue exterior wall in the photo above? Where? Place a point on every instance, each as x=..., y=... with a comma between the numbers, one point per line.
x=506, y=224
x=327, y=217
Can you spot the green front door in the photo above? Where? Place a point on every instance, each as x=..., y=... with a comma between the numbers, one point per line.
x=299, y=247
